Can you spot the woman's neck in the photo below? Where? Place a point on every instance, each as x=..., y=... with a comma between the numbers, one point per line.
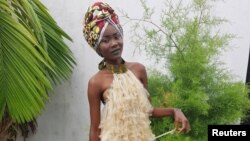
x=116, y=67
x=115, y=62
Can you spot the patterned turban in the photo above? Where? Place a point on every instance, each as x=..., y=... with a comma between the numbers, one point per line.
x=98, y=16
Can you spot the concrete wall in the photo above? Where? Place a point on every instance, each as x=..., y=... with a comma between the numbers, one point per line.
x=66, y=117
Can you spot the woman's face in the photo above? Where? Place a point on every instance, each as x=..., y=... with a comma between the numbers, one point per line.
x=111, y=44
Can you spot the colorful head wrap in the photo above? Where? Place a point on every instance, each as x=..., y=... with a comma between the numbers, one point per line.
x=98, y=16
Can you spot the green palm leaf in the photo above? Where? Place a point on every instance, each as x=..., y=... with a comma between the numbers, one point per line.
x=32, y=55
x=23, y=79
x=26, y=16
x=58, y=51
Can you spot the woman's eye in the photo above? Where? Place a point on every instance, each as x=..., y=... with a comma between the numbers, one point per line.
x=117, y=36
x=104, y=41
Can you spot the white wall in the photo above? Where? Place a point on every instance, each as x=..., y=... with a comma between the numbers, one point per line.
x=238, y=13
x=66, y=117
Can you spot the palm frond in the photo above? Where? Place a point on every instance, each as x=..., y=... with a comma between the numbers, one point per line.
x=27, y=16
x=58, y=51
x=23, y=79
x=32, y=56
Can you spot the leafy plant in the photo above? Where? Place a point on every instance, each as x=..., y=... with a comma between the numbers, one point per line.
x=187, y=41
x=33, y=57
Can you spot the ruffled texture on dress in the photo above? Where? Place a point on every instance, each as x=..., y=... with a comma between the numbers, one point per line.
x=125, y=116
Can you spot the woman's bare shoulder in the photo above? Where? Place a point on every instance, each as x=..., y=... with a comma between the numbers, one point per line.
x=135, y=65
x=139, y=71
x=101, y=80
x=98, y=77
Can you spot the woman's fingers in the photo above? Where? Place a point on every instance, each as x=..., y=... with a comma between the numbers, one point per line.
x=182, y=126
x=181, y=122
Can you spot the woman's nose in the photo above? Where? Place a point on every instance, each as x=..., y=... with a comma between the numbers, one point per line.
x=114, y=43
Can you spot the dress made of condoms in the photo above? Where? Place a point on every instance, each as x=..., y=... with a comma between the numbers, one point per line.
x=125, y=116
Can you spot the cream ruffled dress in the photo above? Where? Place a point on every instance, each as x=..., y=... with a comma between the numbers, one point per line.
x=125, y=116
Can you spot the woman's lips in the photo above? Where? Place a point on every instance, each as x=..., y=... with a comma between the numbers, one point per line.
x=115, y=51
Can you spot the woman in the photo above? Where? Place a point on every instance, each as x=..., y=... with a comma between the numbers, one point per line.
x=120, y=85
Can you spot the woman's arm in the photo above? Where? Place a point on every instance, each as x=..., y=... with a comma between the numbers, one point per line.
x=94, y=106
x=181, y=122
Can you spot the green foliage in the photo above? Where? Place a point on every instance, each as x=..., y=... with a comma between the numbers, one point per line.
x=33, y=56
x=159, y=86
x=188, y=41
x=57, y=50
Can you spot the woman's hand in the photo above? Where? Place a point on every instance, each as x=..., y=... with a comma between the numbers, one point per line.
x=181, y=122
